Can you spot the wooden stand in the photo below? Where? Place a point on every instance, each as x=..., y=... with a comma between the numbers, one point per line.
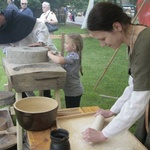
x=49, y=78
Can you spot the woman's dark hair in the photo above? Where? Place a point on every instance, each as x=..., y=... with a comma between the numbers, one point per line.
x=104, y=14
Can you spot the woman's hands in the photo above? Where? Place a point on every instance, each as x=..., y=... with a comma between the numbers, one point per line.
x=92, y=135
x=104, y=113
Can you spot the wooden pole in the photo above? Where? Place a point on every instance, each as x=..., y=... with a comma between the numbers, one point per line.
x=112, y=58
x=62, y=43
x=101, y=77
x=134, y=19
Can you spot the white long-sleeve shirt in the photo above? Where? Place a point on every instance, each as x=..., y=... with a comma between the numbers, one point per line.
x=48, y=16
x=129, y=107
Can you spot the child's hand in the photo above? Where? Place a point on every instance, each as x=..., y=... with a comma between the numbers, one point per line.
x=47, y=48
x=58, y=53
x=50, y=53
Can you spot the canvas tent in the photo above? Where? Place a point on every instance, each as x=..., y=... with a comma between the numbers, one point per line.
x=144, y=15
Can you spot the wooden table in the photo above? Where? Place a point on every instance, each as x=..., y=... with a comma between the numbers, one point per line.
x=41, y=140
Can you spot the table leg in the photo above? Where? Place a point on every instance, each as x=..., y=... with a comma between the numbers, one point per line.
x=19, y=128
x=41, y=93
x=57, y=97
x=8, y=86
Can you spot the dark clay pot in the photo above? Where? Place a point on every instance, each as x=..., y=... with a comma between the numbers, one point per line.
x=59, y=140
x=36, y=113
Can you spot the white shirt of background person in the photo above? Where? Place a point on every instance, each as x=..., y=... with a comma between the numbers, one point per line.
x=48, y=15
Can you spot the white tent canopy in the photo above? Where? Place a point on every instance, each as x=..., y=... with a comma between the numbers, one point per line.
x=90, y=6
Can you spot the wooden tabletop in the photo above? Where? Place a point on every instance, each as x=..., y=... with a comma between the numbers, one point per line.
x=41, y=140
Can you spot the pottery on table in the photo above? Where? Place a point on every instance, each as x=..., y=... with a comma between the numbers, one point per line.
x=36, y=113
x=59, y=139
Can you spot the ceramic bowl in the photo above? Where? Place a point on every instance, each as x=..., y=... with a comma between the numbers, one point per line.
x=36, y=113
x=3, y=123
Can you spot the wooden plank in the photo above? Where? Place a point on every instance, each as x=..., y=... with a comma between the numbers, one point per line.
x=41, y=140
x=69, y=111
x=57, y=97
x=90, y=109
x=73, y=117
x=53, y=36
x=19, y=128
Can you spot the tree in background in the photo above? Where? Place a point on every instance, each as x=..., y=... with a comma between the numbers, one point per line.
x=57, y=5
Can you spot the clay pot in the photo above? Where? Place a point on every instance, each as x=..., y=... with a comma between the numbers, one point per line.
x=3, y=123
x=59, y=140
x=36, y=113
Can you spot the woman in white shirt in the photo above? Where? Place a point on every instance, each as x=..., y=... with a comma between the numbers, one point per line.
x=48, y=15
x=112, y=27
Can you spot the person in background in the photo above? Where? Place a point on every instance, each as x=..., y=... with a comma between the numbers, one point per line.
x=66, y=13
x=113, y=28
x=73, y=15
x=32, y=33
x=25, y=9
x=72, y=64
x=48, y=15
x=11, y=5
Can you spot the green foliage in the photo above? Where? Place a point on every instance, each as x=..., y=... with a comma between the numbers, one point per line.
x=3, y=4
x=78, y=4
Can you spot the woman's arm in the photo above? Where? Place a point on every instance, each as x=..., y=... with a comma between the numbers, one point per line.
x=130, y=112
x=115, y=109
x=124, y=97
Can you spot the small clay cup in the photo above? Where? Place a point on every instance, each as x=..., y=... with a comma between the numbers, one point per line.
x=59, y=140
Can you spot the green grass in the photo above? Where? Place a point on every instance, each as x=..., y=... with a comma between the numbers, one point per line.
x=95, y=61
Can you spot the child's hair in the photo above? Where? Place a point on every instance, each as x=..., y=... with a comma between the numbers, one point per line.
x=78, y=41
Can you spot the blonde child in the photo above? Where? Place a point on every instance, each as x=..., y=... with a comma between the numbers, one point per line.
x=73, y=88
